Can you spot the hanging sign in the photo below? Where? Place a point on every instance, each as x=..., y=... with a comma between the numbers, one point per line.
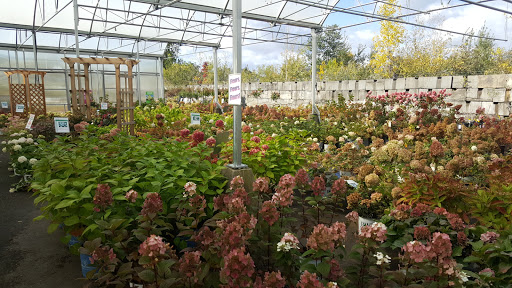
x=104, y=106
x=4, y=105
x=235, y=89
x=61, y=124
x=195, y=119
x=20, y=108
x=29, y=122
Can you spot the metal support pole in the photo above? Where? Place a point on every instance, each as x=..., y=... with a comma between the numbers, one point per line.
x=314, y=44
x=34, y=47
x=162, y=77
x=77, y=43
x=138, y=75
x=313, y=69
x=67, y=85
x=215, y=75
x=237, y=68
x=157, y=68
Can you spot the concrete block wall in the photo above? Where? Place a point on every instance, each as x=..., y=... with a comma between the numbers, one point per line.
x=492, y=92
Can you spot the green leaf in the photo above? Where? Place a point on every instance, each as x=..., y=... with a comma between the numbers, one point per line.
x=144, y=260
x=40, y=217
x=70, y=221
x=472, y=259
x=52, y=228
x=86, y=193
x=147, y=276
x=58, y=189
x=324, y=268
x=65, y=203
x=91, y=228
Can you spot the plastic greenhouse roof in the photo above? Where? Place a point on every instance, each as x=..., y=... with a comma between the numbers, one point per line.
x=119, y=26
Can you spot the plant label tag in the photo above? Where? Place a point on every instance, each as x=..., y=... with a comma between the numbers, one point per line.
x=61, y=124
x=364, y=222
x=4, y=105
x=104, y=106
x=20, y=108
x=389, y=124
x=29, y=122
x=352, y=183
x=195, y=119
x=235, y=89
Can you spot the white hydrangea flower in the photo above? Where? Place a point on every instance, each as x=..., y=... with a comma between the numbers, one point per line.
x=351, y=134
x=22, y=159
x=296, y=122
x=17, y=147
x=463, y=276
x=3, y=142
x=152, y=125
x=335, y=123
x=12, y=190
x=32, y=161
x=30, y=140
x=381, y=258
x=22, y=140
x=474, y=148
x=315, y=139
x=274, y=135
x=4, y=149
x=211, y=121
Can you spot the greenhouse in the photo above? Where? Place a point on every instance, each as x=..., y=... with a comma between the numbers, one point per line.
x=231, y=143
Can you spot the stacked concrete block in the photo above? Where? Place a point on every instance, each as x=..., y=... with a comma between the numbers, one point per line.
x=494, y=94
x=351, y=85
x=427, y=83
x=344, y=85
x=446, y=82
x=379, y=85
x=472, y=81
x=400, y=84
x=503, y=109
x=457, y=95
x=290, y=86
x=332, y=85
x=389, y=84
x=459, y=82
x=473, y=94
x=411, y=83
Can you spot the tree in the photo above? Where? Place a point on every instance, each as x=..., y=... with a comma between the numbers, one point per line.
x=386, y=43
x=295, y=66
x=180, y=74
x=422, y=54
x=332, y=44
x=171, y=54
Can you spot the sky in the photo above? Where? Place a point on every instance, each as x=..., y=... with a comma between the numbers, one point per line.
x=460, y=19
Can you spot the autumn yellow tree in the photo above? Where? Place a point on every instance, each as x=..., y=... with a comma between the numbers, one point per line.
x=423, y=53
x=386, y=43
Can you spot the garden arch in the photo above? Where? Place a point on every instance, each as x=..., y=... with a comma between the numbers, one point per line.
x=124, y=94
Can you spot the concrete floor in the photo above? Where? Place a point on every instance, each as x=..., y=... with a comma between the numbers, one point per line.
x=29, y=256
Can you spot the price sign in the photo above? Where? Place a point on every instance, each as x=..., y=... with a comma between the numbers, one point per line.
x=29, y=122
x=20, y=108
x=195, y=119
x=104, y=106
x=61, y=124
x=4, y=105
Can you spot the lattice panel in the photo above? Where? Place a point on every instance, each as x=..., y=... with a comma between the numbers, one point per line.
x=18, y=97
x=37, y=99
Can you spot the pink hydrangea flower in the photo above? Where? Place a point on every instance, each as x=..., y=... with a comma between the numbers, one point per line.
x=377, y=232
x=103, y=254
x=352, y=217
x=327, y=238
x=154, y=246
x=417, y=251
x=211, y=141
x=103, y=197
x=489, y=237
x=256, y=139
x=302, y=179
x=273, y=279
x=198, y=136
x=269, y=212
x=238, y=269
x=288, y=242
x=190, y=189
x=339, y=187
x=189, y=265
x=184, y=133
x=152, y=205
x=318, y=185
x=131, y=196
x=261, y=185
x=219, y=124
x=309, y=280
x=237, y=182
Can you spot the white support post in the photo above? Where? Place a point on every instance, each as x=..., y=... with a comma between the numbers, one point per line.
x=237, y=68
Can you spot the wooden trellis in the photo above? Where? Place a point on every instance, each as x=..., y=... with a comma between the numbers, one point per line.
x=124, y=95
x=31, y=95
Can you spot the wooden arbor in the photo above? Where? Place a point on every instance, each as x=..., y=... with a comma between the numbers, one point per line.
x=81, y=100
x=31, y=95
